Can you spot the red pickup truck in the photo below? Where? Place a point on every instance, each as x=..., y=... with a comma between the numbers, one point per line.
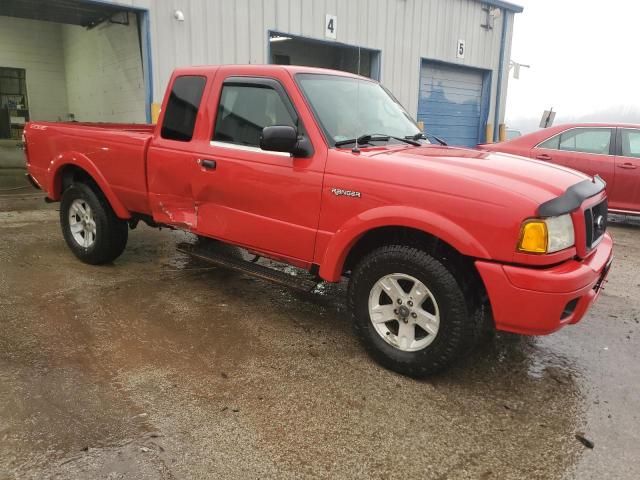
x=325, y=170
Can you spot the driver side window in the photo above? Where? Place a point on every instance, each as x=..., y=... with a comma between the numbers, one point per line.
x=245, y=110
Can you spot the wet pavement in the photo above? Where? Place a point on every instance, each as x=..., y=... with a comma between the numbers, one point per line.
x=158, y=367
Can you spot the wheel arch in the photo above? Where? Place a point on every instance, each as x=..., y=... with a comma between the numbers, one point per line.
x=404, y=224
x=75, y=167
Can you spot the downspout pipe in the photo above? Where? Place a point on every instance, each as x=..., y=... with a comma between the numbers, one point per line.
x=503, y=49
x=144, y=27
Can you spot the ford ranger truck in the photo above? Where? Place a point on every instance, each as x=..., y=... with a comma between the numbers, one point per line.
x=326, y=171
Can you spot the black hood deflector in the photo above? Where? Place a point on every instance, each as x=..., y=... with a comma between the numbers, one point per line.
x=572, y=198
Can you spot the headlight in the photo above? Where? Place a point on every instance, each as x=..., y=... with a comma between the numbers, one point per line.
x=546, y=235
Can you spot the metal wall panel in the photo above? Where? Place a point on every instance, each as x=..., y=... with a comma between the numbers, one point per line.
x=406, y=31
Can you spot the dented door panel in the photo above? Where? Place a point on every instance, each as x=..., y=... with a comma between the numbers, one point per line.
x=261, y=200
x=170, y=175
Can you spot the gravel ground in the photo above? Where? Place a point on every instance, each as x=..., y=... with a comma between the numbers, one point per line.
x=155, y=367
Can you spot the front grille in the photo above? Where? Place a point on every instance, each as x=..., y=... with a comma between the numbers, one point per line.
x=595, y=222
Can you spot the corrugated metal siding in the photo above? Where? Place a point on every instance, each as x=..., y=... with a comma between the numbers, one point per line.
x=406, y=31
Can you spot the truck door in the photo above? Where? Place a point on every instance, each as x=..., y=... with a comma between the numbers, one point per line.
x=625, y=194
x=269, y=201
x=171, y=162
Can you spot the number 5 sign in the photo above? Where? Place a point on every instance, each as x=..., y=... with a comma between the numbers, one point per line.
x=460, y=49
x=330, y=26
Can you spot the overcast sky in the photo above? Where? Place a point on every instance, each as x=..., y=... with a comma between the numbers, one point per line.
x=583, y=56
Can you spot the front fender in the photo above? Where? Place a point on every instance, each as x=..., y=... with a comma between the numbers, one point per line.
x=395, y=216
x=53, y=185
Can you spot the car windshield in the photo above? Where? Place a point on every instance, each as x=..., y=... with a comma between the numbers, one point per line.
x=349, y=108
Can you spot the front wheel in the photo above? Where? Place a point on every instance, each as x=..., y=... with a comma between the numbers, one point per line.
x=90, y=227
x=409, y=310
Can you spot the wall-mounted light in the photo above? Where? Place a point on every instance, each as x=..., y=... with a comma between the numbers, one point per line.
x=279, y=38
x=492, y=14
x=178, y=15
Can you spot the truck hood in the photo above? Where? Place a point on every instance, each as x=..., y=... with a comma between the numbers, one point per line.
x=536, y=180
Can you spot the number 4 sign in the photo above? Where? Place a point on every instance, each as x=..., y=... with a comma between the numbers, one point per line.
x=330, y=26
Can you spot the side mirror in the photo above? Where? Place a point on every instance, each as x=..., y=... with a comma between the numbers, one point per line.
x=279, y=138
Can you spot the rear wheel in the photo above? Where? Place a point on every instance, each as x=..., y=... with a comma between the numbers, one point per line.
x=409, y=310
x=91, y=229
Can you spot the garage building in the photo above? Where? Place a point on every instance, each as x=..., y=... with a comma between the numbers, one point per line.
x=447, y=61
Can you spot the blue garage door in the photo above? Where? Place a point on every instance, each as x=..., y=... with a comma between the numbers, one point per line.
x=451, y=103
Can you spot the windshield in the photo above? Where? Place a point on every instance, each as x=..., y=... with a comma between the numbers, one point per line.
x=348, y=108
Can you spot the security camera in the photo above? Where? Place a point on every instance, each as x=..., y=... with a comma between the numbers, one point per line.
x=178, y=15
x=495, y=12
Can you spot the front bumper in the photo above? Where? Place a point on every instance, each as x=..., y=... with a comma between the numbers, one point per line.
x=538, y=301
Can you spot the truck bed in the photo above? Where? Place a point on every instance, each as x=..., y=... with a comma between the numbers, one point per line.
x=114, y=151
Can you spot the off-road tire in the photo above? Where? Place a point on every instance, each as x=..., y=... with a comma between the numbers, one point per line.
x=456, y=329
x=111, y=232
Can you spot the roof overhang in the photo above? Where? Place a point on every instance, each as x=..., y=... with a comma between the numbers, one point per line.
x=73, y=12
x=512, y=7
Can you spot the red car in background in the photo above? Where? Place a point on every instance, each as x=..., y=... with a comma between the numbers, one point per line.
x=609, y=150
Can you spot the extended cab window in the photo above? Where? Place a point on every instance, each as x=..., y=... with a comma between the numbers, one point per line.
x=586, y=140
x=245, y=110
x=182, y=108
x=631, y=143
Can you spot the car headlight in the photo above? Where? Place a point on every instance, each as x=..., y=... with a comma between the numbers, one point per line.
x=546, y=235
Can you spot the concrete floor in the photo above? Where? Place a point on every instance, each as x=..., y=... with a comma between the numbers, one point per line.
x=156, y=368
x=10, y=156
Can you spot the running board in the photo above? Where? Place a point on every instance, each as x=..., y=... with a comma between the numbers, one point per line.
x=295, y=282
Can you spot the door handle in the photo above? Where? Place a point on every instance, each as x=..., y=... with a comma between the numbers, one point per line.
x=628, y=166
x=543, y=156
x=207, y=163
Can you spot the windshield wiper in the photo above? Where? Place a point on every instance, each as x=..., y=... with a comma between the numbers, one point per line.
x=422, y=136
x=362, y=139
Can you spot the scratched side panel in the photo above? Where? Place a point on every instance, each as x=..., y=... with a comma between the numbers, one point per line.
x=170, y=175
